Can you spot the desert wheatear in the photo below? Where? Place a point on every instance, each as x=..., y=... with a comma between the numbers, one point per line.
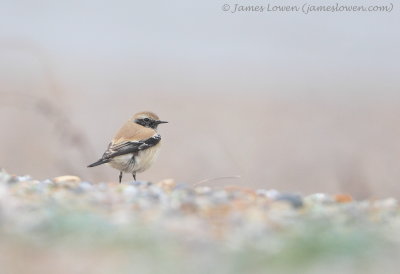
x=135, y=146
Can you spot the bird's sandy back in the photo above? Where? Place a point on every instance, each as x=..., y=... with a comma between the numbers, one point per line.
x=132, y=131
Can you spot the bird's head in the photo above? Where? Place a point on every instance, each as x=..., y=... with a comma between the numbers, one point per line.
x=147, y=119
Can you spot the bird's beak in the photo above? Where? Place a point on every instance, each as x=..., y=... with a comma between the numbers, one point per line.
x=162, y=122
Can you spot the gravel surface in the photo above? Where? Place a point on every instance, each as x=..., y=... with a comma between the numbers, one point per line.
x=66, y=225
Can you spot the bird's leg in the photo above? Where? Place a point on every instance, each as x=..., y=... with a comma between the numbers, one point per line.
x=134, y=175
x=120, y=177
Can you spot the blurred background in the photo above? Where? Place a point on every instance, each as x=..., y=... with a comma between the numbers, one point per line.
x=300, y=103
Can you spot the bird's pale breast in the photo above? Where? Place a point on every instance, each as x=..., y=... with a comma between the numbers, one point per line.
x=141, y=162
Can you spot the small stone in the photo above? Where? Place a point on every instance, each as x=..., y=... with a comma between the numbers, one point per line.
x=86, y=186
x=167, y=184
x=220, y=196
x=241, y=190
x=141, y=184
x=386, y=203
x=270, y=194
x=24, y=178
x=294, y=199
x=67, y=178
x=203, y=190
x=13, y=179
x=47, y=182
x=321, y=198
x=131, y=191
x=343, y=198
x=188, y=207
x=280, y=206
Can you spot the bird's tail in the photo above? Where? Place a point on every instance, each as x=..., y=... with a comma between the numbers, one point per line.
x=99, y=162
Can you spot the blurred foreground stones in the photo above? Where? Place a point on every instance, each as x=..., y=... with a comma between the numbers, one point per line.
x=66, y=225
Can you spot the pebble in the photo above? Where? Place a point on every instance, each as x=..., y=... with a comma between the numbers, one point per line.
x=321, y=198
x=214, y=213
x=167, y=184
x=67, y=178
x=386, y=203
x=295, y=200
x=203, y=190
x=343, y=198
x=271, y=194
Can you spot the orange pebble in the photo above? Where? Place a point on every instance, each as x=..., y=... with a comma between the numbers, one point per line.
x=343, y=198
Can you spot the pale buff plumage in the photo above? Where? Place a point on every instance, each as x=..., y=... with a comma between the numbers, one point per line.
x=132, y=131
x=143, y=160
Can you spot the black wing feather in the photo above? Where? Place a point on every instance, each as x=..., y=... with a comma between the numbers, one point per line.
x=126, y=148
x=130, y=147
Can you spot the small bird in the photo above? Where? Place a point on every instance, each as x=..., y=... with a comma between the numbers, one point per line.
x=135, y=146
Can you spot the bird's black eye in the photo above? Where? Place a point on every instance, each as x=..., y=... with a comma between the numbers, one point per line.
x=146, y=119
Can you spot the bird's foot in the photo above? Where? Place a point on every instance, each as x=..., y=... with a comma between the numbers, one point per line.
x=120, y=177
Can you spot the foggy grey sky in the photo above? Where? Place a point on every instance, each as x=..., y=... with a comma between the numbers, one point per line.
x=95, y=63
x=194, y=46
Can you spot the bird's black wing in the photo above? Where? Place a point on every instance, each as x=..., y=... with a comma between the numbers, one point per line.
x=114, y=150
